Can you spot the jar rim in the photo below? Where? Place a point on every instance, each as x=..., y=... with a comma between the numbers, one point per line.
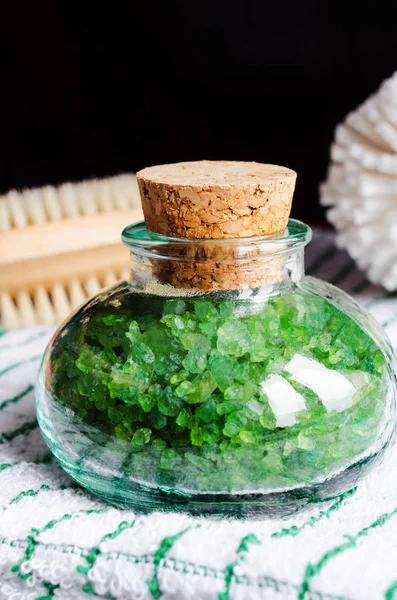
x=138, y=238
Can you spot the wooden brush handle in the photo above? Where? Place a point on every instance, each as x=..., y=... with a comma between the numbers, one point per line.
x=66, y=236
x=63, y=268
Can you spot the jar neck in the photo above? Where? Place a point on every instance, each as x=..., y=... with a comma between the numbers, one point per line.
x=170, y=266
x=262, y=276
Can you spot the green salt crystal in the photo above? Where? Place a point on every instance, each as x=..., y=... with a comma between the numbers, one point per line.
x=196, y=436
x=158, y=338
x=198, y=461
x=247, y=437
x=226, y=309
x=92, y=359
x=121, y=432
x=142, y=354
x=198, y=390
x=222, y=369
x=141, y=437
x=207, y=411
x=210, y=328
x=170, y=459
x=128, y=383
x=243, y=372
x=261, y=348
x=211, y=433
x=194, y=341
x=174, y=307
x=184, y=419
x=241, y=393
x=184, y=389
x=306, y=441
x=208, y=316
x=224, y=445
x=178, y=377
x=205, y=310
x=159, y=444
x=225, y=408
x=146, y=402
x=267, y=418
x=168, y=403
x=115, y=415
x=180, y=324
x=109, y=330
x=101, y=403
x=272, y=460
x=234, y=423
x=233, y=338
x=156, y=420
x=195, y=361
x=290, y=447
x=133, y=334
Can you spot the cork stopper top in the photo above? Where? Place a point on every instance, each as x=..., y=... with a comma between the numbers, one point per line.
x=216, y=199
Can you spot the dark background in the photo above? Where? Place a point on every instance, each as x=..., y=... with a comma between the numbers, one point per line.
x=102, y=91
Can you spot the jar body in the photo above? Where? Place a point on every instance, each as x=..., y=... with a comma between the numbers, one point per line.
x=218, y=402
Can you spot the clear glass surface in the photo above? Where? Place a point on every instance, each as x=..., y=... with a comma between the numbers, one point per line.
x=252, y=400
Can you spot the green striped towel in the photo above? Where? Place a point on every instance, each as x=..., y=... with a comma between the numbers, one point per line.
x=58, y=542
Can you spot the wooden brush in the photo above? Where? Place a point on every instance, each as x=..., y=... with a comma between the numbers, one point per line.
x=60, y=246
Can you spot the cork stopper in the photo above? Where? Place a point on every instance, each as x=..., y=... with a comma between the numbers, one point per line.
x=222, y=268
x=216, y=199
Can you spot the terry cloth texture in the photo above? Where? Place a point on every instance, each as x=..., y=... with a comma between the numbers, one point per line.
x=58, y=542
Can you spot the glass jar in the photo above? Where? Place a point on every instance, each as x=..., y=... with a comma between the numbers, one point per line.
x=251, y=390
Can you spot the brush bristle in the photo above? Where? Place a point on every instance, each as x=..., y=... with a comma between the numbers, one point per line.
x=19, y=209
x=68, y=201
x=54, y=305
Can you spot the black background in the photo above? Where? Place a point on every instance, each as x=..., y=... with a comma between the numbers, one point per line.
x=100, y=91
